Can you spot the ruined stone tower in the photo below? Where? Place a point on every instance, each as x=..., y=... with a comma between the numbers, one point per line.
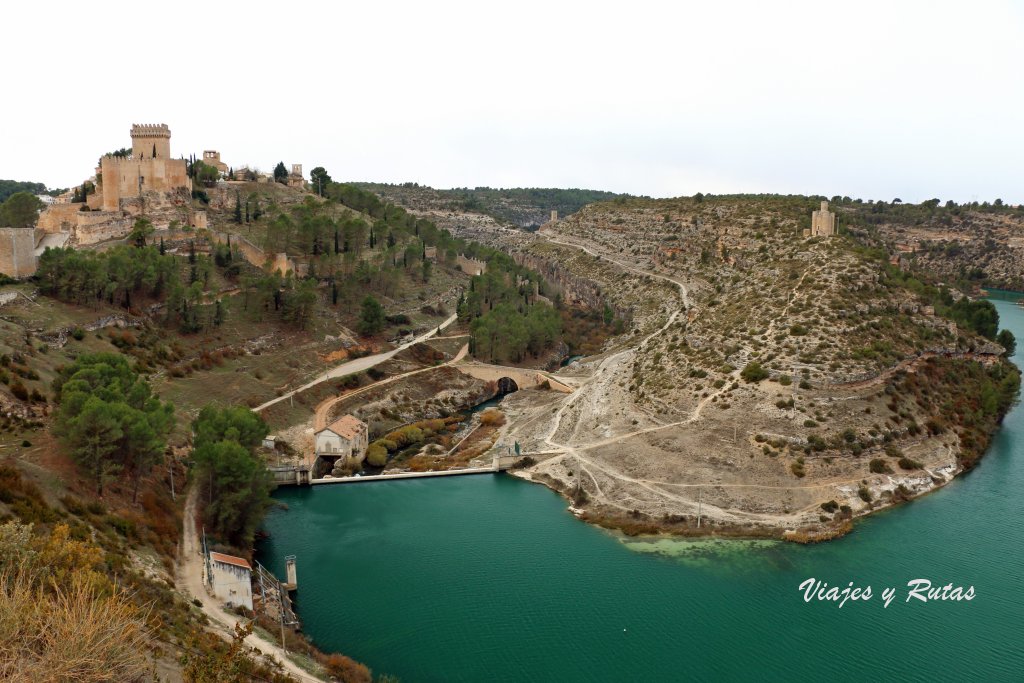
x=823, y=222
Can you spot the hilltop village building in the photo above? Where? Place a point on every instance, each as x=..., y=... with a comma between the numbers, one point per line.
x=346, y=437
x=211, y=157
x=231, y=579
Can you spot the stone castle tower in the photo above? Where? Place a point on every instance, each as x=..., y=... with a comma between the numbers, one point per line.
x=823, y=222
x=151, y=141
x=150, y=168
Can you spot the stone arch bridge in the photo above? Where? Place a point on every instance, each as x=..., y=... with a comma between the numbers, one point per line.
x=513, y=379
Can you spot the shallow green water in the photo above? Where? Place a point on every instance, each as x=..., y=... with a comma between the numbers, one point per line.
x=487, y=578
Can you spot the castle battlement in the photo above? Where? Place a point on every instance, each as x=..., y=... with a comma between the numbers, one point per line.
x=150, y=130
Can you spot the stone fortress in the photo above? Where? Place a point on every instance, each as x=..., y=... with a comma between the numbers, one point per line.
x=147, y=182
x=150, y=169
x=823, y=222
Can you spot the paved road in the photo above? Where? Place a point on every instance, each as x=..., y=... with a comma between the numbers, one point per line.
x=357, y=365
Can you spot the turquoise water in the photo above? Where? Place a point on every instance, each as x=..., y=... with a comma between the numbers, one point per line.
x=487, y=578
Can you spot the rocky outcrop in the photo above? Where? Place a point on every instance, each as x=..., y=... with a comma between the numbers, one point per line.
x=575, y=290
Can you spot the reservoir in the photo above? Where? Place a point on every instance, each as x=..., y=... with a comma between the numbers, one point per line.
x=488, y=578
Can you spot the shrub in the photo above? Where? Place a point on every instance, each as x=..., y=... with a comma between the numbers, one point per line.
x=864, y=494
x=879, y=466
x=753, y=372
x=798, y=330
x=785, y=380
x=810, y=423
x=816, y=443
x=798, y=469
x=804, y=384
x=346, y=669
x=908, y=464
x=492, y=417
x=377, y=454
x=19, y=391
x=78, y=334
x=830, y=506
x=893, y=451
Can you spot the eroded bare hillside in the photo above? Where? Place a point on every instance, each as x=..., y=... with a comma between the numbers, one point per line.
x=771, y=382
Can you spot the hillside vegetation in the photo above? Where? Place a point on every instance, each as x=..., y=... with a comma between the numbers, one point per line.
x=524, y=207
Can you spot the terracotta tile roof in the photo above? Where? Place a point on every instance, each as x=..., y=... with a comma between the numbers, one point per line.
x=348, y=426
x=230, y=559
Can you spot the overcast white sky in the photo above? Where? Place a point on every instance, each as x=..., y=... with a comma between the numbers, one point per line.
x=868, y=99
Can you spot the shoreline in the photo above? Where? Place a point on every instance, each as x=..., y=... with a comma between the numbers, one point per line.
x=642, y=526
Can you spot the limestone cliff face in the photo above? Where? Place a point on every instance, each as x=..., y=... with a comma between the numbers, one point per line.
x=575, y=290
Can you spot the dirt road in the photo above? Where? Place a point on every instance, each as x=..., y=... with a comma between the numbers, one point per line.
x=323, y=409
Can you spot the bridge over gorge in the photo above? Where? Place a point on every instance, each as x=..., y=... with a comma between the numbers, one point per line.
x=513, y=379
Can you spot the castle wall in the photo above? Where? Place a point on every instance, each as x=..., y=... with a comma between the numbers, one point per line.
x=471, y=266
x=98, y=226
x=59, y=217
x=17, y=251
x=124, y=178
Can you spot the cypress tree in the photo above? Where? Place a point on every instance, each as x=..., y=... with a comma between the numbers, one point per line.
x=238, y=208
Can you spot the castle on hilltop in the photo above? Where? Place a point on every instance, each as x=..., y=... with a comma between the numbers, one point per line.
x=145, y=182
x=150, y=168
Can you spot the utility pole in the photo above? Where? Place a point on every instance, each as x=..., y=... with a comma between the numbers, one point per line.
x=280, y=597
x=700, y=504
x=263, y=590
x=206, y=559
